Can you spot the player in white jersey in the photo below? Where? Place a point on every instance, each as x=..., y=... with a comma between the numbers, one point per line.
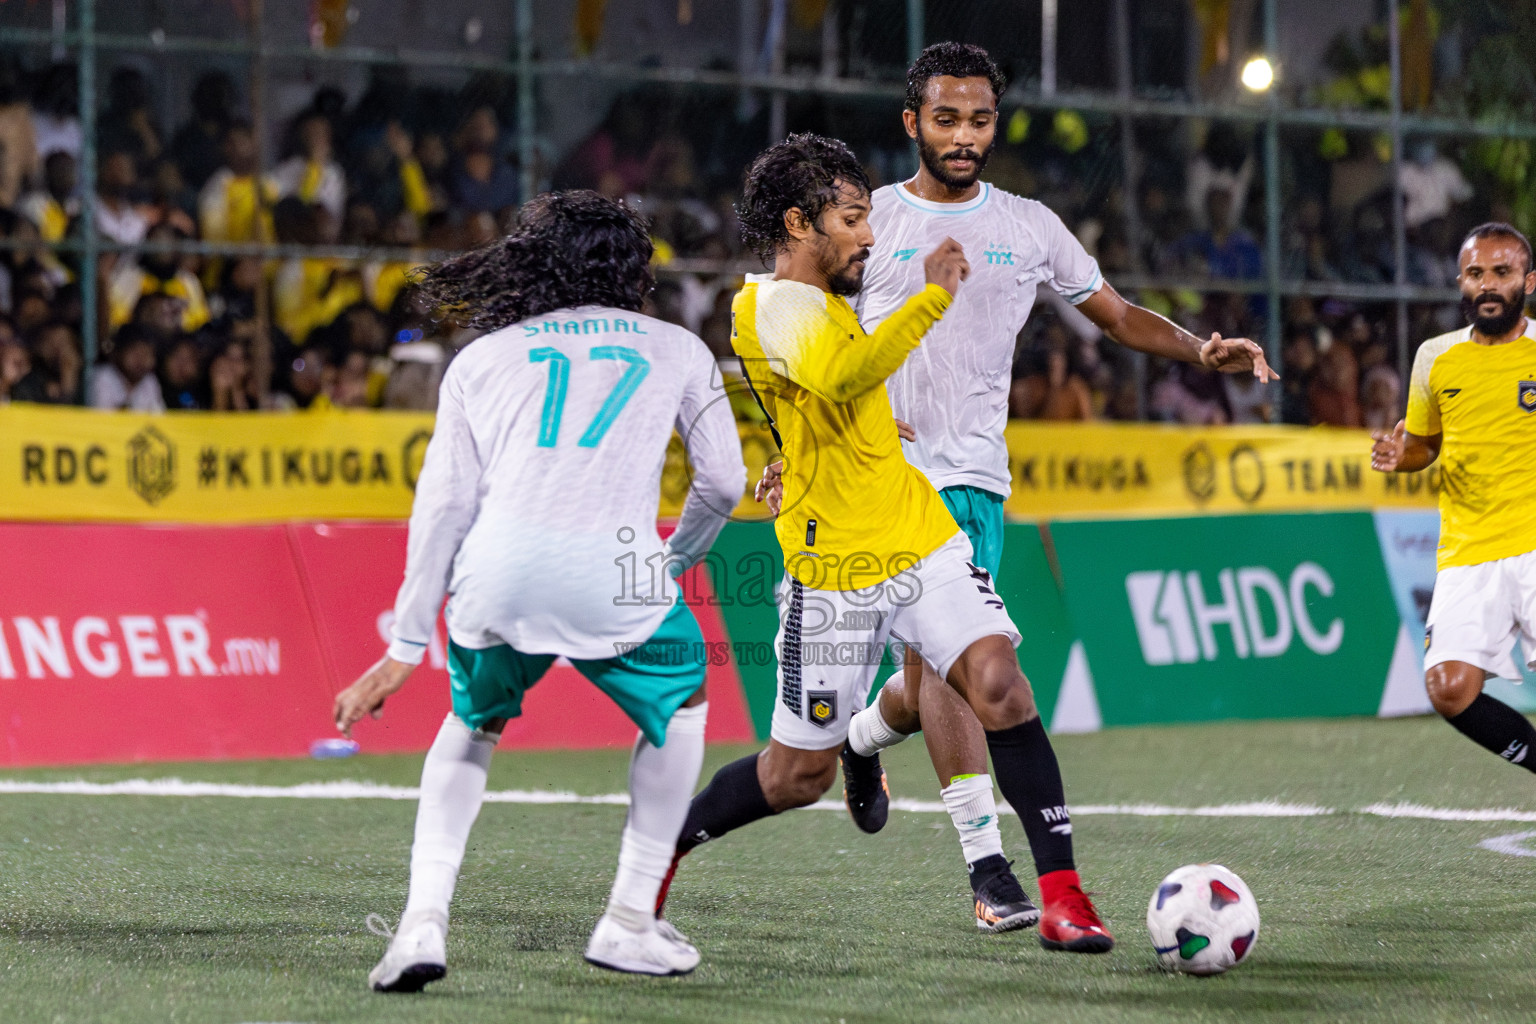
x=953, y=391
x=543, y=473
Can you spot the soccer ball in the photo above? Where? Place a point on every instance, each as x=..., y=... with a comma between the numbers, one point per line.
x=1203, y=920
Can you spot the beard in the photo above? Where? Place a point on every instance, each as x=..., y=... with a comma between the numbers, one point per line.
x=847, y=281
x=846, y=277
x=1511, y=309
x=934, y=160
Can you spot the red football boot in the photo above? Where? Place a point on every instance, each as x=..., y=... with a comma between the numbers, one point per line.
x=1069, y=921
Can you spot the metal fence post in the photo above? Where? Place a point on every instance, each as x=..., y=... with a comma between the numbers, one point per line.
x=262, y=350
x=916, y=29
x=1399, y=223
x=1130, y=172
x=526, y=108
x=1048, y=14
x=89, y=325
x=1274, y=324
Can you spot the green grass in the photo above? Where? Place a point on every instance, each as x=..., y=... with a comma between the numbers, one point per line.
x=223, y=910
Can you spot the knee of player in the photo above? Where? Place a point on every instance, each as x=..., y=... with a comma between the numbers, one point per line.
x=1001, y=697
x=1452, y=686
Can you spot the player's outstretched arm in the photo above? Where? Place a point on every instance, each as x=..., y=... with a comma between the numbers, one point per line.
x=814, y=349
x=1397, y=451
x=366, y=696
x=1145, y=331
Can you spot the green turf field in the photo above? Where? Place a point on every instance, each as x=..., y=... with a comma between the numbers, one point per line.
x=214, y=909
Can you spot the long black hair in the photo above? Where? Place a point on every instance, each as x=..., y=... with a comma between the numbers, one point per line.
x=802, y=173
x=569, y=249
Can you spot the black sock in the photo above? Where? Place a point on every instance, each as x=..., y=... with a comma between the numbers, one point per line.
x=732, y=799
x=1500, y=728
x=1026, y=771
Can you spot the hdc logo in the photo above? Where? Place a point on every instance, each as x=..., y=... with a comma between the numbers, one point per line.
x=1176, y=620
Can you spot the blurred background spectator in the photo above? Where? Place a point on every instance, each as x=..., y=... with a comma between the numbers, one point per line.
x=372, y=171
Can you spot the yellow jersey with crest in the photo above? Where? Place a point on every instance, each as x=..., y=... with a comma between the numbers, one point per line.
x=1482, y=398
x=855, y=512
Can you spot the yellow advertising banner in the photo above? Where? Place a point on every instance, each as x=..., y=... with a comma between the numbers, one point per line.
x=65, y=464
x=68, y=464
x=61, y=464
x=1073, y=470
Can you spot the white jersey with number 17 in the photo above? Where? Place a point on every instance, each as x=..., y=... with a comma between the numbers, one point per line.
x=536, y=506
x=954, y=389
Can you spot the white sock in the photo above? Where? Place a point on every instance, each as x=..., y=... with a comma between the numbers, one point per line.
x=868, y=732
x=973, y=809
x=661, y=781
x=452, y=788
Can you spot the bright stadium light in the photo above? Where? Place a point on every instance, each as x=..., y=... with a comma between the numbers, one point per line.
x=1258, y=74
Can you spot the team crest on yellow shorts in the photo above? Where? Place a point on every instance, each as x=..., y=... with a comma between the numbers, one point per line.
x=821, y=707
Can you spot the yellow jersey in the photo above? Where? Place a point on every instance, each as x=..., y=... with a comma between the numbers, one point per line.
x=131, y=284
x=1482, y=398
x=855, y=512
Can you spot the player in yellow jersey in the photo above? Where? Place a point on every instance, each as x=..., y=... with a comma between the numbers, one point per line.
x=1472, y=405
x=870, y=550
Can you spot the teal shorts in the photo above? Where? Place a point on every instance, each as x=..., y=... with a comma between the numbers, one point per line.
x=649, y=683
x=980, y=514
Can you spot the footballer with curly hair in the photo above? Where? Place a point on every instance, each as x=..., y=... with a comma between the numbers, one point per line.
x=544, y=469
x=871, y=551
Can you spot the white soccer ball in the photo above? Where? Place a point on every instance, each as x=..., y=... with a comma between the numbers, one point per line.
x=1203, y=920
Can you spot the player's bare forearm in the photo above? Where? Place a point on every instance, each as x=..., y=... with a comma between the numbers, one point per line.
x=1417, y=455
x=1138, y=328
x=1142, y=330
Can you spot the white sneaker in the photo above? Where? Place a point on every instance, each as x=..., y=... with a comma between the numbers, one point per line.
x=416, y=957
x=670, y=932
x=652, y=951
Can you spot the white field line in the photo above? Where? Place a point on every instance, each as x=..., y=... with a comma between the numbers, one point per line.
x=374, y=791
x=1402, y=810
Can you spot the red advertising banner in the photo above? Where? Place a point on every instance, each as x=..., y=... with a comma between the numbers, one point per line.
x=146, y=643
x=352, y=570
x=126, y=643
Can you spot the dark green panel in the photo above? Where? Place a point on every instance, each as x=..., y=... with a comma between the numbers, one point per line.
x=744, y=567
x=1027, y=586
x=1297, y=615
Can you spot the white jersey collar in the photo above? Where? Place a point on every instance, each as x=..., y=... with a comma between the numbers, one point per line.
x=927, y=205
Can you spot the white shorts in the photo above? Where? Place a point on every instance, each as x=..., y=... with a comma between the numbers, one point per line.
x=1478, y=610
x=830, y=641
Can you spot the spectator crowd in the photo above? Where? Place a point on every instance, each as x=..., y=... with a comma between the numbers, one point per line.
x=404, y=171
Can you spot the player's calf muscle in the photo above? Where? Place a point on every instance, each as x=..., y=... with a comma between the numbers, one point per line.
x=792, y=777
x=899, y=706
